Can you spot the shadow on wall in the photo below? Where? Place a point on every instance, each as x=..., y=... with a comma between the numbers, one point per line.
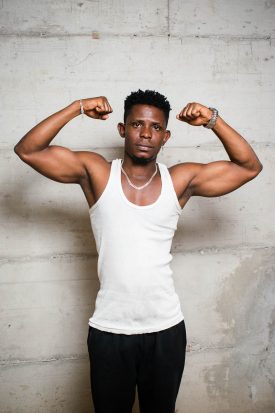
x=246, y=307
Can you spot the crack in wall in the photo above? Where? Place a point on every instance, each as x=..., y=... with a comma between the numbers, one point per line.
x=238, y=249
x=223, y=37
x=16, y=362
x=194, y=348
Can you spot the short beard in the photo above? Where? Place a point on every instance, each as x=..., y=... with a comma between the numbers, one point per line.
x=141, y=161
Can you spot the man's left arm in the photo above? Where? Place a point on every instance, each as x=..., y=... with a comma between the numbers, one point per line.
x=220, y=177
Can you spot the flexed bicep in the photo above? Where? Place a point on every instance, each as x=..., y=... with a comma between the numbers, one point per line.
x=218, y=178
x=57, y=163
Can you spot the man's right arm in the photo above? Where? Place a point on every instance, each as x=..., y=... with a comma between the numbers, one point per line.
x=57, y=162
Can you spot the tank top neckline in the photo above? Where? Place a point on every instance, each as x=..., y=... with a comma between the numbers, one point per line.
x=125, y=197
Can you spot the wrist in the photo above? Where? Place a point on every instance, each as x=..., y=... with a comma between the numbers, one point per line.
x=212, y=121
x=218, y=124
x=81, y=108
x=75, y=108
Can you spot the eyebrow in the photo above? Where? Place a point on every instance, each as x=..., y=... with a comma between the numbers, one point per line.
x=142, y=120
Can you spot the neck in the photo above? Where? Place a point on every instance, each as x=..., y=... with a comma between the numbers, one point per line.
x=139, y=166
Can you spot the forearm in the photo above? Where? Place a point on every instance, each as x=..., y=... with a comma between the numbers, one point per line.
x=39, y=137
x=237, y=148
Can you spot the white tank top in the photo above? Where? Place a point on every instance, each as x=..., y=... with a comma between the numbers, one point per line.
x=137, y=293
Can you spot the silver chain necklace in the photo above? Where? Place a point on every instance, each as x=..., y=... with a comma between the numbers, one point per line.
x=139, y=187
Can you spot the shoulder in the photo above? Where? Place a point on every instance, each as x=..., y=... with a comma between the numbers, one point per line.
x=96, y=176
x=93, y=162
x=97, y=168
x=187, y=170
x=87, y=157
x=182, y=175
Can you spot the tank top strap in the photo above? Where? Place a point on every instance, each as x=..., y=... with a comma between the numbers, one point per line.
x=168, y=185
x=115, y=171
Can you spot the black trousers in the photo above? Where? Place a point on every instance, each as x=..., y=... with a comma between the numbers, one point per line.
x=153, y=362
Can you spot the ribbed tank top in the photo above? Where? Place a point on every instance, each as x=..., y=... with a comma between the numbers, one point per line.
x=137, y=293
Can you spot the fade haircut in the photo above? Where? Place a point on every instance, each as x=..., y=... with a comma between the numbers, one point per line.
x=147, y=97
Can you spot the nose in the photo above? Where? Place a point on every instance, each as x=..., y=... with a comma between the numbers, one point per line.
x=146, y=132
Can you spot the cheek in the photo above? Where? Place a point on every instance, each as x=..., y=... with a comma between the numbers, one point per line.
x=159, y=138
x=131, y=137
x=128, y=141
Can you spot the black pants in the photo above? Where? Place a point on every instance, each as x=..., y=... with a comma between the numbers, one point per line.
x=153, y=362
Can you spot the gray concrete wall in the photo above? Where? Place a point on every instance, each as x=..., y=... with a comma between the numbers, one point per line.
x=216, y=52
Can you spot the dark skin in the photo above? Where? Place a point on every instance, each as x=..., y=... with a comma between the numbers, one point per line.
x=145, y=131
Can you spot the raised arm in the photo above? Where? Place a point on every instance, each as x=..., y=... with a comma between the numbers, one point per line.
x=220, y=177
x=57, y=162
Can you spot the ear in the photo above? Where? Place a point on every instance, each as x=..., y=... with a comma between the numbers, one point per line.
x=121, y=129
x=167, y=136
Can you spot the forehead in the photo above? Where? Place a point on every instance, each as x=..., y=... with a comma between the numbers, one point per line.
x=147, y=112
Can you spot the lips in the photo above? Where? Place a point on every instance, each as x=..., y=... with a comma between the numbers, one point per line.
x=144, y=147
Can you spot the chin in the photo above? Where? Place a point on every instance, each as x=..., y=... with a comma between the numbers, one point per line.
x=142, y=159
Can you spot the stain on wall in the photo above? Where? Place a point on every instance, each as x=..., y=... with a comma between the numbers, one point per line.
x=246, y=308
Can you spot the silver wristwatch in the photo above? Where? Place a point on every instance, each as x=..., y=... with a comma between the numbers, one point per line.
x=213, y=119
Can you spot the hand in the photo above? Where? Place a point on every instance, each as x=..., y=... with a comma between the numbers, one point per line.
x=195, y=114
x=97, y=108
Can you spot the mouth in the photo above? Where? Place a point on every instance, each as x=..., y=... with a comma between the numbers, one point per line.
x=144, y=147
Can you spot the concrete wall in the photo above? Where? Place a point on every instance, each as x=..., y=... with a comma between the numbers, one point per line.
x=216, y=52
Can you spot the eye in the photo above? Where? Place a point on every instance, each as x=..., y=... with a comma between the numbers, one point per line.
x=157, y=127
x=135, y=124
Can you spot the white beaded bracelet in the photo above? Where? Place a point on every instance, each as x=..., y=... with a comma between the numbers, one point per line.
x=81, y=108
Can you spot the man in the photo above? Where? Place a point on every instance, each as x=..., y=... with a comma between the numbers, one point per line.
x=137, y=333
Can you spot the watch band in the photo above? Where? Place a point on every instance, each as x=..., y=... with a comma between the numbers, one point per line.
x=213, y=119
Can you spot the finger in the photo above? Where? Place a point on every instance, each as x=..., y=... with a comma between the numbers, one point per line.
x=181, y=114
x=195, y=113
x=100, y=104
x=96, y=115
x=186, y=112
x=181, y=117
x=100, y=116
x=110, y=108
x=190, y=113
x=195, y=110
x=100, y=109
x=106, y=106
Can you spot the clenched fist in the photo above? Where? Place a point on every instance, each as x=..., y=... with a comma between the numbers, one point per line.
x=195, y=114
x=97, y=108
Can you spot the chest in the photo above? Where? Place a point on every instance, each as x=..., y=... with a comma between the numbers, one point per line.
x=145, y=196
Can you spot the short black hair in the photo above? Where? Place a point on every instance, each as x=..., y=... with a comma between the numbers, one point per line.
x=147, y=97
